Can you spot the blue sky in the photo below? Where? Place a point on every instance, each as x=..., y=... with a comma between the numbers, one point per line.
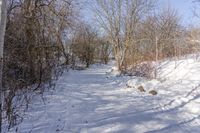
x=184, y=8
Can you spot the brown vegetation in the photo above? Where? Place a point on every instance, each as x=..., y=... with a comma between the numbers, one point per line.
x=153, y=92
x=141, y=89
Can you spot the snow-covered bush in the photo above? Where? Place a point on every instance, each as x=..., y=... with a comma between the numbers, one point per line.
x=145, y=69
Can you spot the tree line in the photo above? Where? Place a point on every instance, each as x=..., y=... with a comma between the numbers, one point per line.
x=42, y=37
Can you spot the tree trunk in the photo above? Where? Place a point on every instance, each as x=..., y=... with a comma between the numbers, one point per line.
x=3, y=15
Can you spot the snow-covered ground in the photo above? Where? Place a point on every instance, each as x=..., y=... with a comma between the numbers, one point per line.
x=94, y=101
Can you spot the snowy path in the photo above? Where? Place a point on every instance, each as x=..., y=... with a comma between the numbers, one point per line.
x=89, y=102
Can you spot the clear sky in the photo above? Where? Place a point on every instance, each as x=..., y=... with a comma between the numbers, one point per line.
x=185, y=9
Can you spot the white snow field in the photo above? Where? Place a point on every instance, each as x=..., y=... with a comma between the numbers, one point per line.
x=94, y=101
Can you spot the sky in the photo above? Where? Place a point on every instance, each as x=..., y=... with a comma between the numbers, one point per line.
x=185, y=9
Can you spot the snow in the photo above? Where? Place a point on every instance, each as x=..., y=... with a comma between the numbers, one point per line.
x=97, y=101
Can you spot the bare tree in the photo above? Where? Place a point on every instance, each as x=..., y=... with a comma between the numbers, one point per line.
x=3, y=12
x=120, y=20
x=83, y=44
x=109, y=14
x=33, y=50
